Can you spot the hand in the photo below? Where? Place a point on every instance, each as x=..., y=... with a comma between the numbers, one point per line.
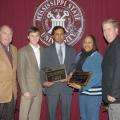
x=76, y=86
x=48, y=84
x=69, y=77
x=111, y=99
x=27, y=95
x=63, y=80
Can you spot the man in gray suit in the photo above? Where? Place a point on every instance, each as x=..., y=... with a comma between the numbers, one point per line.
x=28, y=70
x=58, y=90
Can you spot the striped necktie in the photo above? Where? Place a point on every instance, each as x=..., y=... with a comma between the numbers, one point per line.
x=60, y=54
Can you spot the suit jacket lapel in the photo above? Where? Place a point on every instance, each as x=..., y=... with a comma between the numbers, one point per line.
x=41, y=55
x=66, y=54
x=13, y=56
x=54, y=52
x=32, y=56
x=5, y=57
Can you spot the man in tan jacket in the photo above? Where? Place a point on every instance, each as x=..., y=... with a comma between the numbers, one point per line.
x=28, y=70
x=8, y=63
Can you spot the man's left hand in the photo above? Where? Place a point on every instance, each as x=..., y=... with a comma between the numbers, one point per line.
x=111, y=99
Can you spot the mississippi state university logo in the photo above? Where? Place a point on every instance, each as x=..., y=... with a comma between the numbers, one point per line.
x=63, y=13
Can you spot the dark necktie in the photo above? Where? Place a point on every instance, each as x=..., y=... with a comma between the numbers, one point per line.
x=8, y=52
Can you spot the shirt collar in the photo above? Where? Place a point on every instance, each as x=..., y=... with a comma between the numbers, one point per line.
x=5, y=47
x=34, y=47
x=58, y=44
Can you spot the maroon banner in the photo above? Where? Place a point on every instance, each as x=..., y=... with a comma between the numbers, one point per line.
x=19, y=15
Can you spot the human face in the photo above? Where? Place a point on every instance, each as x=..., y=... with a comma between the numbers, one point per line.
x=34, y=38
x=58, y=36
x=88, y=44
x=110, y=32
x=6, y=35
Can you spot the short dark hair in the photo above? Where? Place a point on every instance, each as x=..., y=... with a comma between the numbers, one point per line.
x=33, y=29
x=56, y=28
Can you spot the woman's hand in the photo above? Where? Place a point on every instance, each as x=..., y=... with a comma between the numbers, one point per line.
x=65, y=80
x=74, y=85
x=68, y=78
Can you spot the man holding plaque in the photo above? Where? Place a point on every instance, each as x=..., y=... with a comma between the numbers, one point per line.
x=60, y=56
x=88, y=62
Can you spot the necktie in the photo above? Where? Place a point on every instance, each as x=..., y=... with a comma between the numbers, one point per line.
x=9, y=55
x=60, y=55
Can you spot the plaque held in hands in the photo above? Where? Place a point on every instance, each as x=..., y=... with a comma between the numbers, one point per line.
x=80, y=78
x=55, y=73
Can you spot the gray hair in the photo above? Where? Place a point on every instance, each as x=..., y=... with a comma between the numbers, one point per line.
x=115, y=23
x=1, y=27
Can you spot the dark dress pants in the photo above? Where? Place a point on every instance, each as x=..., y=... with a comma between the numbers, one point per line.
x=53, y=100
x=7, y=110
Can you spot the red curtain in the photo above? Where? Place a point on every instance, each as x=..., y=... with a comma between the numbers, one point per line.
x=19, y=15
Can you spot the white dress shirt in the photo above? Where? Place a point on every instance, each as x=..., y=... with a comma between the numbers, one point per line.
x=57, y=45
x=36, y=50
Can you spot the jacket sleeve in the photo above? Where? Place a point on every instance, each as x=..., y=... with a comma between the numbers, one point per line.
x=21, y=70
x=73, y=64
x=95, y=68
x=43, y=66
x=115, y=87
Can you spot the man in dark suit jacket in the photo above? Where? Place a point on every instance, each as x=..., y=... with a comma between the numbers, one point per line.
x=111, y=69
x=28, y=70
x=58, y=90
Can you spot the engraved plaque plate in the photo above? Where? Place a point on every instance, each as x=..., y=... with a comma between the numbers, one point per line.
x=55, y=73
x=80, y=78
